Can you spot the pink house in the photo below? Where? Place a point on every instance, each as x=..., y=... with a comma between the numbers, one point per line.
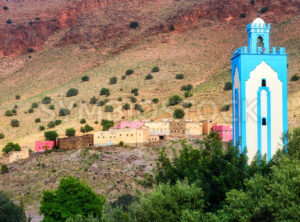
x=130, y=124
x=41, y=146
x=225, y=132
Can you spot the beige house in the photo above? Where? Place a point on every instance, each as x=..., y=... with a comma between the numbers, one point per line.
x=14, y=156
x=193, y=129
x=158, y=128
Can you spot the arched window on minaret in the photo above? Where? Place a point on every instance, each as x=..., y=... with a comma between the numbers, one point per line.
x=260, y=42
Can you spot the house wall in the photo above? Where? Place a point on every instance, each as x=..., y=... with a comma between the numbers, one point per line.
x=14, y=156
x=225, y=132
x=76, y=142
x=206, y=127
x=41, y=146
x=130, y=124
x=178, y=129
x=158, y=128
x=193, y=129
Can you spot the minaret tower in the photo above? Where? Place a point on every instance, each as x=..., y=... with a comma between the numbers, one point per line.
x=259, y=94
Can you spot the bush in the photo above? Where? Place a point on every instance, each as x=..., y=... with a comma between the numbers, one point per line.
x=15, y=106
x=82, y=121
x=14, y=111
x=72, y=92
x=243, y=15
x=51, y=124
x=101, y=103
x=264, y=10
x=187, y=105
x=1, y=136
x=113, y=80
x=93, y=100
x=179, y=76
x=174, y=100
x=9, y=21
x=86, y=128
x=129, y=72
x=123, y=78
x=8, y=113
x=171, y=28
x=155, y=69
x=4, y=169
x=149, y=76
x=15, y=123
x=71, y=198
x=51, y=107
x=108, y=109
x=58, y=122
x=38, y=120
x=64, y=112
x=252, y=2
x=34, y=105
x=295, y=78
x=134, y=24
x=133, y=99
x=126, y=106
x=187, y=88
x=42, y=128
x=178, y=114
x=18, y=97
x=5, y=7
x=104, y=91
x=70, y=132
x=139, y=107
x=46, y=100
x=228, y=86
x=188, y=94
x=120, y=99
x=75, y=105
x=51, y=135
x=106, y=124
x=225, y=108
x=85, y=78
x=9, y=147
x=9, y=211
x=30, y=110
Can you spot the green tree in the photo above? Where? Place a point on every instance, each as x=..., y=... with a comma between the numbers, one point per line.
x=34, y=105
x=126, y=106
x=155, y=100
x=129, y=72
x=46, y=100
x=80, y=218
x=8, y=113
x=107, y=124
x=293, y=143
x=178, y=114
x=2, y=136
x=174, y=100
x=64, y=112
x=228, y=86
x=104, y=91
x=72, y=92
x=9, y=211
x=85, y=78
x=149, y=76
x=70, y=132
x=9, y=147
x=4, y=169
x=93, y=100
x=15, y=123
x=113, y=80
x=70, y=199
x=51, y=135
x=179, y=76
x=155, y=69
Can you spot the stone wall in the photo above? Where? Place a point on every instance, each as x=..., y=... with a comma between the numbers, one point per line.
x=76, y=142
x=177, y=129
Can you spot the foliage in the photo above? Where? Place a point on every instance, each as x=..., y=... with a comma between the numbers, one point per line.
x=129, y=72
x=85, y=78
x=113, y=80
x=51, y=107
x=149, y=76
x=108, y=108
x=41, y=128
x=134, y=24
x=58, y=122
x=34, y=105
x=243, y=15
x=179, y=76
x=8, y=21
x=51, y=124
x=135, y=91
x=225, y=108
x=87, y=128
x=9, y=147
x=70, y=132
x=51, y=135
x=8, y=113
x=9, y=211
x=93, y=100
x=5, y=7
x=169, y=203
x=101, y=103
x=174, y=100
x=264, y=10
x=15, y=123
x=38, y=120
x=188, y=94
x=80, y=218
x=187, y=105
x=2, y=136
x=138, y=107
x=82, y=121
x=104, y=91
x=178, y=114
x=120, y=99
x=71, y=198
x=4, y=169
x=228, y=86
x=155, y=69
x=18, y=97
x=155, y=100
x=295, y=78
x=126, y=106
x=188, y=87
x=30, y=110
x=252, y=2
x=172, y=28
x=107, y=124
x=133, y=99
x=64, y=112
x=72, y=92
x=293, y=144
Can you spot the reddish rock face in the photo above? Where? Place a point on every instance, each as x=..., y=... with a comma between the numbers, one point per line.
x=26, y=33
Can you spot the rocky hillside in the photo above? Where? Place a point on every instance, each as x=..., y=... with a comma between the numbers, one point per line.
x=45, y=48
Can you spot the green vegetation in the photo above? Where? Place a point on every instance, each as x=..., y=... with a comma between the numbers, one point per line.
x=134, y=24
x=174, y=100
x=9, y=147
x=107, y=124
x=187, y=94
x=38, y=120
x=129, y=72
x=70, y=132
x=42, y=128
x=93, y=100
x=108, y=109
x=34, y=105
x=126, y=106
x=155, y=100
x=135, y=91
x=252, y=2
x=178, y=114
x=64, y=112
x=243, y=15
x=104, y=91
x=187, y=105
x=58, y=122
x=187, y=88
x=51, y=124
x=9, y=21
x=51, y=135
x=70, y=199
x=82, y=121
x=155, y=69
x=2, y=136
x=228, y=86
x=133, y=99
x=120, y=99
x=149, y=76
x=171, y=28
x=87, y=128
x=113, y=80
x=72, y=92
x=18, y=97
x=225, y=108
x=31, y=110
x=9, y=211
x=179, y=76
x=51, y=107
x=264, y=10
x=4, y=169
x=295, y=78
x=5, y=7
x=46, y=100
x=85, y=78
x=8, y=113
x=15, y=123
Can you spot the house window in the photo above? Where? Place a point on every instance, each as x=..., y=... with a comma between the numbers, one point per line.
x=264, y=121
x=263, y=83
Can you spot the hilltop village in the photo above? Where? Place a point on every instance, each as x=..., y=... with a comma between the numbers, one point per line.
x=126, y=133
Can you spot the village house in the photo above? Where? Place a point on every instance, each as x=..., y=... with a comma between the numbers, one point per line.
x=177, y=129
x=193, y=129
x=42, y=146
x=130, y=124
x=207, y=127
x=76, y=142
x=15, y=156
x=160, y=129
x=225, y=132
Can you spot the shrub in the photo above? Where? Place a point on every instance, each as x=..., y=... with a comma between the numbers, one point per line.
x=5, y=7
x=120, y=99
x=104, y=91
x=295, y=78
x=149, y=76
x=15, y=123
x=4, y=169
x=30, y=110
x=225, y=108
x=179, y=76
x=123, y=78
x=93, y=100
x=264, y=10
x=38, y=120
x=71, y=198
x=15, y=106
x=243, y=15
x=171, y=28
x=188, y=94
x=42, y=128
x=133, y=99
x=106, y=124
x=187, y=88
x=52, y=107
x=9, y=211
x=85, y=78
x=9, y=147
x=101, y=103
x=135, y=91
x=8, y=113
x=187, y=105
x=138, y=107
x=58, y=122
x=113, y=80
x=46, y=100
x=51, y=135
x=18, y=97
x=134, y=24
x=75, y=105
x=228, y=86
x=126, y=106
x=9, y=21
x=108, y=109
x=88, y=128
x=155, y=100
x=34, y=105
x=252, y=2
x=51, y=124
x=129, y=72
x=155, y=69
x=121, y=143
x=64, y=112
x=70, y=132
x=178, y=114
x=82, y=121
x=1, y=136
x=72, y=92
x=14, y=111
x=174, y=100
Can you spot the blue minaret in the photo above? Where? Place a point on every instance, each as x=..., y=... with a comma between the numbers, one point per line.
x=259, y=93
